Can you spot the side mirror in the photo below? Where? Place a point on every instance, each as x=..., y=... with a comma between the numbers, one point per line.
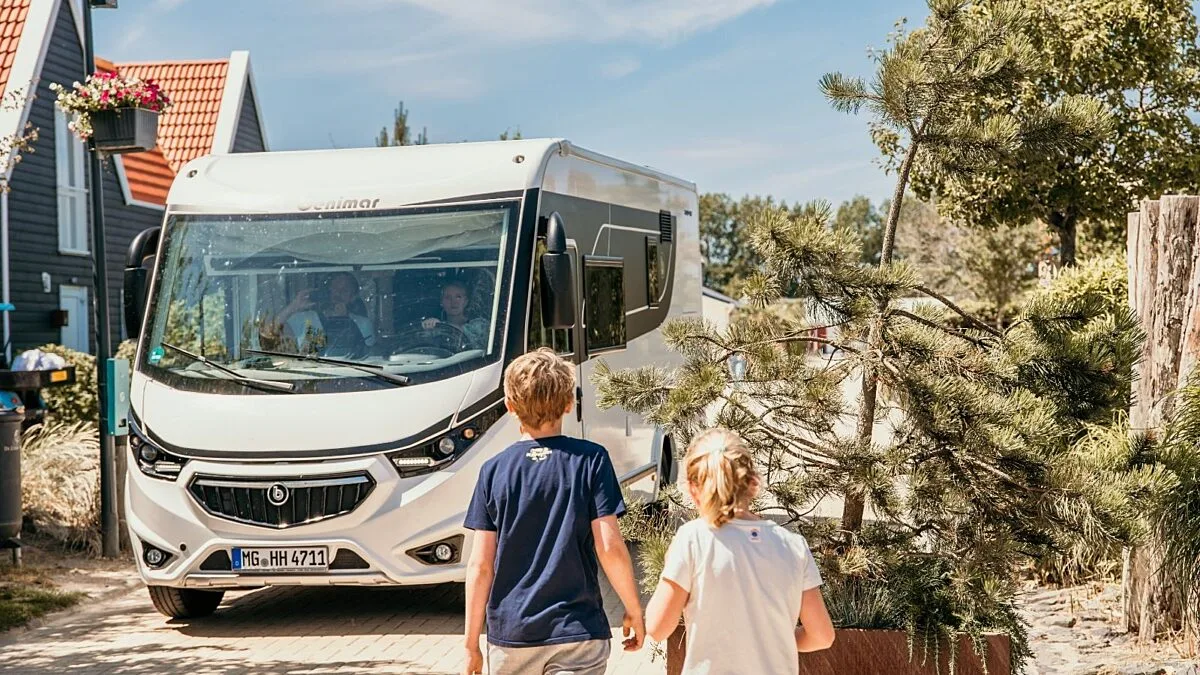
x=139, y=261
x=558, y=288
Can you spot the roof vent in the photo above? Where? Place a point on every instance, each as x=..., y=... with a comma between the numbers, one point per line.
x=666, y=225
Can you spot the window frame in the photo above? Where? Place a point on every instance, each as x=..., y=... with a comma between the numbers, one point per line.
x=70, y=186
x=603, y=262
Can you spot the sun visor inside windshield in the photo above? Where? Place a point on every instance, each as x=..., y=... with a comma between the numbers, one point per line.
x=347, y=241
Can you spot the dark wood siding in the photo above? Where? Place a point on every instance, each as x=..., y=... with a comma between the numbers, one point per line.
x=249, y=136
x=33, y=211
x=122, y=223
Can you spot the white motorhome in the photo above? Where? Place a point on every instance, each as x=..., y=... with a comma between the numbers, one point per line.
x=322, y=337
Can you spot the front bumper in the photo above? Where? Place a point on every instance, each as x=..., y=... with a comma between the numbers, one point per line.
x=398, y=516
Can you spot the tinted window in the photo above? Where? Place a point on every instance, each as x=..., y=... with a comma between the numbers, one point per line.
x=604, y=288
x=654, y=273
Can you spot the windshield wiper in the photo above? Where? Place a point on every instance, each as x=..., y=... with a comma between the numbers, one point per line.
x=369, y=368
x=234, y=375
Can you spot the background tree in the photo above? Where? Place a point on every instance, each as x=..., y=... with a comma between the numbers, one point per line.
x=1140, y=59
x=401, y=134
x=932, y=244
x=1000, y=265
x=859, y=216
x=509, y=135
x=728, y=258
x=918, y=97
x=978, y=425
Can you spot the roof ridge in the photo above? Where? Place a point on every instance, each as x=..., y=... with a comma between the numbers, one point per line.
x=171, y=62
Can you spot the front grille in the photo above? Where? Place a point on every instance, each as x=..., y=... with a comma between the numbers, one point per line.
x=281, y=503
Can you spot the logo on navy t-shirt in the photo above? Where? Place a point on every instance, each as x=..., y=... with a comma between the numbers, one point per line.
x=538, y=454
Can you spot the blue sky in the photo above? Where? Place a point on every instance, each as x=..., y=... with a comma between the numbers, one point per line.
x=721, y=92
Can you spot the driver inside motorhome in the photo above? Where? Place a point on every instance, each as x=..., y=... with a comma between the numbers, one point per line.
x=324, y=302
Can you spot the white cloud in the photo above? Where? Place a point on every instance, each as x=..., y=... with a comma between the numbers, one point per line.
x=559, y=20
x=615, y=70
x=167, y=5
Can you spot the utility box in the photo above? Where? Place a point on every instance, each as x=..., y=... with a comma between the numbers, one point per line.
x=117, y=411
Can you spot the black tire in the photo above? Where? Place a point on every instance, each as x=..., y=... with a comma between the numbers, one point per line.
x=184, y=603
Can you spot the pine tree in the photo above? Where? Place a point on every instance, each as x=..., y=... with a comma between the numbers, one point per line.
x=961, y=438
x=401, y=133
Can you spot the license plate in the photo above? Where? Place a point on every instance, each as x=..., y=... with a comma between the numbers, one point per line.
x=308, y=559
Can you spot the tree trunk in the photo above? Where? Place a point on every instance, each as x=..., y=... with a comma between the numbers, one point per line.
x=1065, y=225
x=1164, y=292
x=855, y=502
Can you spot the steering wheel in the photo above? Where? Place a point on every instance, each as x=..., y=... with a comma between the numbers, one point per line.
x=443, y=340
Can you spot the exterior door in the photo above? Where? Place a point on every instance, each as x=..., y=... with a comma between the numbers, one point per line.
x=75, y=335
x=601, y=301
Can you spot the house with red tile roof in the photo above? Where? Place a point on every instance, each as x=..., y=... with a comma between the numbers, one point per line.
x=45, y=231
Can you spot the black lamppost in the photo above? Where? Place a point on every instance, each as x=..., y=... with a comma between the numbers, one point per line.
x=109, y=534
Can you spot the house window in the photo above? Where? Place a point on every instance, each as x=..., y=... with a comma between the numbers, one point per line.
x=72, y=190
x=604, y=303
x=654, y=272
x=558, y=339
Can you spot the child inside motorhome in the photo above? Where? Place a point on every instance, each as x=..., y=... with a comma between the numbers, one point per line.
x=741, y=582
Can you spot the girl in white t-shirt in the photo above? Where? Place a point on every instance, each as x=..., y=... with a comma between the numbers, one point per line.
x=741, y=582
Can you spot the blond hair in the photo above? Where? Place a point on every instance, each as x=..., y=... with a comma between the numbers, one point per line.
x=721, y=469
x=539, y=386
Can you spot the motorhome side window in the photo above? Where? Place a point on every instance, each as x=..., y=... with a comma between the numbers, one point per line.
x=654, y=272
x=539, y=336
x=604, y=303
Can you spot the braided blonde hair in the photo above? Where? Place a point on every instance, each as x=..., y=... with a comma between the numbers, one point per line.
x=721, y=469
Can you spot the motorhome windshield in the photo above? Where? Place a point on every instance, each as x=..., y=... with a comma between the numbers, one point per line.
x=414, y=295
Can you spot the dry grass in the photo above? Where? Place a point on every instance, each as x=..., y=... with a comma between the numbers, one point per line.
x=60, y=483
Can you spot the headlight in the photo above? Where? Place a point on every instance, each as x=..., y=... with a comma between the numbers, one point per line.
x=151, y=459
x=441, y=451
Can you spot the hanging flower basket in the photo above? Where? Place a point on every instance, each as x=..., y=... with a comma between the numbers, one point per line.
x=114, y=113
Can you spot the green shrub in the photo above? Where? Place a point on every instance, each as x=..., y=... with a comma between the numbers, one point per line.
x=80, y=401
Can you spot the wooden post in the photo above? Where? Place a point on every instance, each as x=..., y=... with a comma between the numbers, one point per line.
x=1164, y=292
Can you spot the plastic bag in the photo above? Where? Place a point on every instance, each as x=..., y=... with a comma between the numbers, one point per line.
x=36, y=359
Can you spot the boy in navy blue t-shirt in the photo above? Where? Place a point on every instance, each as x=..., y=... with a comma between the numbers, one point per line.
x=545, y=518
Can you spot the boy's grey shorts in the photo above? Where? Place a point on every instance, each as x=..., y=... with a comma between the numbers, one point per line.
x=574, y=658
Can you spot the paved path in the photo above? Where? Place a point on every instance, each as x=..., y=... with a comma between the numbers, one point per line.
x=270, y=631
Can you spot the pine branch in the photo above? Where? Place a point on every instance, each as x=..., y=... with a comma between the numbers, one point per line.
x=957, y=310
x=937, y=326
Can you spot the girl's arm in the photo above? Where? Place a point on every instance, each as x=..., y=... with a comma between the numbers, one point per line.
x=816, y=629
x=664, y=610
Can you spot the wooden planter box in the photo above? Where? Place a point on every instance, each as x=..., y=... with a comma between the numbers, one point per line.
x=124, y=130
x=869, y=652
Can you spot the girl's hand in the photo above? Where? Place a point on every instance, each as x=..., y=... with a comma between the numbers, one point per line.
x=430, y=324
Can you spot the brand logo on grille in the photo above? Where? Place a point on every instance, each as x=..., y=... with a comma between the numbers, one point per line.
x=278, y=494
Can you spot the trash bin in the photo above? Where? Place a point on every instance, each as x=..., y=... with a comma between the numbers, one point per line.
x=12, y=417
